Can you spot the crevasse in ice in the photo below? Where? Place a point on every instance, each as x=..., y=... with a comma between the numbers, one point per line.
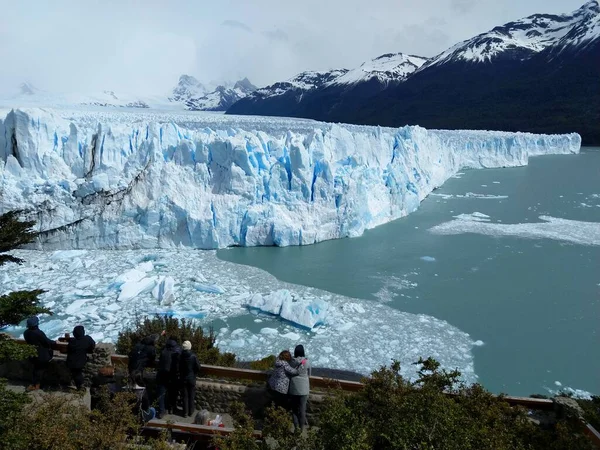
x=131, y=180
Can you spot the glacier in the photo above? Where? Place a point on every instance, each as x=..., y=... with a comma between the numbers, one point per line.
x=96, y=179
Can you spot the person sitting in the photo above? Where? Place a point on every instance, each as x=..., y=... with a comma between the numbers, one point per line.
x=142, y=355
x=36, y=337
x=77, y=350
x=300, y=387
x=279, y=381
x=189, y=368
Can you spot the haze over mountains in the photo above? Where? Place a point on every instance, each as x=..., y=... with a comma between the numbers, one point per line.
x=189, y=93
x=538, y=74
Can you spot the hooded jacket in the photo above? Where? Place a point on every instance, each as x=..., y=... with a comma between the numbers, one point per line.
x=78, y=348
x=189, y=366
x=279, y=380
x=143, y=354
x=36, y=337
x=300, y=385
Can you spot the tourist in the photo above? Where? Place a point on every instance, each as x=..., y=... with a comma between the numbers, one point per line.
x=279, y=381
x=300, y=387
x=142, y=407
x=77, y=350
x=189, y=368
x=166, y=371
x=173, y=388
x=36, y=337
x=142, y=355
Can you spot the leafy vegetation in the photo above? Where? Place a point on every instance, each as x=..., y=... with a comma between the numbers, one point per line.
x=203, y=344
x=263, y=364
x=591, y=409
x=277, y=425
x=53, y=422
x=16, y=306
x=435, y=412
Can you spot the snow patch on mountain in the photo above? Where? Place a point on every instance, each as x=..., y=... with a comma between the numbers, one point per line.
x=524, y=37
x=146, y=180
x=386, y=68
x=221, y=98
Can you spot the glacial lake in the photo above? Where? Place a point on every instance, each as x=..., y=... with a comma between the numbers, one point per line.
x=530, y=294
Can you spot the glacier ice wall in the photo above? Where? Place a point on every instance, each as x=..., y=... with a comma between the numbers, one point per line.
x=144, y=180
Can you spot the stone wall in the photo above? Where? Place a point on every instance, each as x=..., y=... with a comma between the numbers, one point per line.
x=57, y=373
x=217, y=396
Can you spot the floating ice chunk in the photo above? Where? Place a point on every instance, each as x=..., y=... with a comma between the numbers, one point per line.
x=478, y=343
x=112, y=307
x=271, y=331
x=164, y=290
x=270, y=303
x=130, y=275
x=76, y=264
x=67, y=254
x=209, y=288
x=307, y=314
x=428, y=258
x=576, y=232
x=145, y=266
x=558, y=383
x=291, y=336
x=353, y=308
x=132, y=289
x=74, y=307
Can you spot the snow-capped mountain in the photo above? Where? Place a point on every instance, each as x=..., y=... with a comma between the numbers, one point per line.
x=520, y=39
x=298, y=96
x=392, y=67
x=187, y=87
x=537, y=74
x=221, y=98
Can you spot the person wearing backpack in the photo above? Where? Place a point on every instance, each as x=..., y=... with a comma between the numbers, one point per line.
x=189, y=368
x=77, y=350
x=142, y=355
x=36, y=337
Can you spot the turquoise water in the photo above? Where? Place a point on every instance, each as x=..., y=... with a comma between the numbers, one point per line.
x=535, y=303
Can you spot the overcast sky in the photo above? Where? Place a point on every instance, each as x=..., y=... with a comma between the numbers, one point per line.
x=142, y=46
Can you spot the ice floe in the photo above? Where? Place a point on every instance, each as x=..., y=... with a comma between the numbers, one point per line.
x=576, y=232
x=337, y=331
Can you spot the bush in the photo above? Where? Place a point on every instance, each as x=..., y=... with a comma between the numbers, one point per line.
x=184, y=330
x=276, y=428
x=56, y=422
x=264, y=364
x=591, y=409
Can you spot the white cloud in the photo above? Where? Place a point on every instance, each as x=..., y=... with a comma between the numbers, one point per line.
x=143, y=46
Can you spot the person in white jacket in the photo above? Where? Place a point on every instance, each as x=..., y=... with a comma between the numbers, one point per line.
x=300, y=387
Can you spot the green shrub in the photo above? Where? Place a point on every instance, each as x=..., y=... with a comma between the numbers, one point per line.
x=263, y=364
x=276, y=432
x=203, y=344
x=591, y=409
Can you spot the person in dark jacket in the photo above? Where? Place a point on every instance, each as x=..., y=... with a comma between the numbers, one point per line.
x=77, y=350
x=189, y=367
x=143, y=355
x=166, y=376
x=36, y=337
x=142, y=408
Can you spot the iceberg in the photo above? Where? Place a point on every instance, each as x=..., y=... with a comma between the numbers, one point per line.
x=305, y=313
x=124, y=180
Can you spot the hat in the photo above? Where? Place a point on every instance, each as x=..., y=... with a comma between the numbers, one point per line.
x=33, y=321
x=187, y=345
